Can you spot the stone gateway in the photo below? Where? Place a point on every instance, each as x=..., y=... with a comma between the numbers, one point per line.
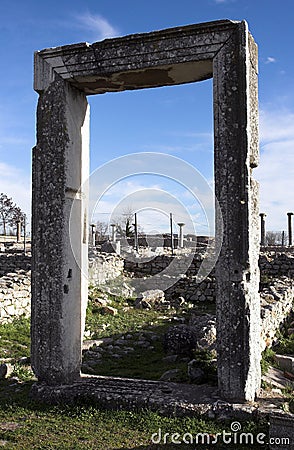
x=64, y=76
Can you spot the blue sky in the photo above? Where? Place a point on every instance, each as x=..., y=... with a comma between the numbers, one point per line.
x=173, y=120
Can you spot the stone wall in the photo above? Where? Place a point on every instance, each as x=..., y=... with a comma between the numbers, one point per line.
x=15, y=286
x=182, y=275
x=104, y=267
x=15, y=280
x=277, y=263
x=276, y=299
x=276, y=305
x=272, y=264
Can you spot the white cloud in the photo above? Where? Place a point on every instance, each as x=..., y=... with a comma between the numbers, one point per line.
x=97, y=25
x=153, y=201
x=270, y=60
x=276, y=125
x=276, y=170
x=16, y=184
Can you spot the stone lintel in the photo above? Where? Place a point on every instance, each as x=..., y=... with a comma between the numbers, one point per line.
x=136, y=61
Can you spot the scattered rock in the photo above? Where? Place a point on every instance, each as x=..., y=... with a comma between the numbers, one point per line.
x=92, y=343
x=153, y=298
x=101, y=301
x=110, y=310
x=170, y=375
x=177, y=302
x=3, y=371
x=24, y=360
x=195, y=373
x=204, y=331
x=6, y=370
x=179, y=339
x=170, y=358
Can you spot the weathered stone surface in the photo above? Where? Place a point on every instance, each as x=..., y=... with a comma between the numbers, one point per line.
x=59, y=232
x=286, y=362
x=276, y=302
x=237, y=275
x=204, y=331
x=179, y=340
x=104, y=267
x=166, y=398
x=15, y=286
x=275, y=377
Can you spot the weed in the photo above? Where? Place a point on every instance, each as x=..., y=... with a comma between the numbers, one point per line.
x=267, y=360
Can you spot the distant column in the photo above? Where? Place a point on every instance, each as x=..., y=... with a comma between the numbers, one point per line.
x=93, y=234
x=136, y=233
x=18, y=231
x=113, y=232
x=171, y=233
x=181, y=237
x=262, y=228
x=289, y=214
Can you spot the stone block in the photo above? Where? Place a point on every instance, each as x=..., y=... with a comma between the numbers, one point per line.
x=286, y=362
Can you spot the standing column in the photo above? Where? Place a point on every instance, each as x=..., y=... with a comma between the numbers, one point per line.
x=236, y=271
x=18, y=231
x=289, y=214
x=59, y=230
x=93, y=234
x=113, y=232
x=136, y=233
x=262, y=228
x=181, y=237
x=171, y=233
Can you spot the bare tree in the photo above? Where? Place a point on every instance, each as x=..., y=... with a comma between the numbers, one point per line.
x=101, y=229
x=10, y=213
x=275, y=238
x=124, y=223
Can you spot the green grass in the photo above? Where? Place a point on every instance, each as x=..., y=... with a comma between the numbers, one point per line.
x=142, y=363
x=105, y=325
x=267, y=360
x=25, y=424
x=15, y=339
x=285, y=345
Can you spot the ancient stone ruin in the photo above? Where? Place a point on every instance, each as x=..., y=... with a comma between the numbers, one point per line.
x=64, y=76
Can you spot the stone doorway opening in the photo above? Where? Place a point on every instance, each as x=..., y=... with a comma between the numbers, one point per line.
x=64, y=76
